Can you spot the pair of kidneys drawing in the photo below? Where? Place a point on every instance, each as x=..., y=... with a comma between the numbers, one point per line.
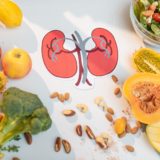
x=61, y=62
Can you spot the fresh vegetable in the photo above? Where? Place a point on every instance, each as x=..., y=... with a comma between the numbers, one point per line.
x=156, y=17
x=10, y=148
x=153, y=134
x=148, y=14
x=146, y=60
x=142, y=91
x=10, y=13
x=23, y=112
x=16, y=63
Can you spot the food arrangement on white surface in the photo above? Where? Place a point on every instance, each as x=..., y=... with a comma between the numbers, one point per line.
x=78, y=95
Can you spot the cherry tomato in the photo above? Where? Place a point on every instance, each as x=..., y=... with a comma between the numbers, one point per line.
x=156, y=17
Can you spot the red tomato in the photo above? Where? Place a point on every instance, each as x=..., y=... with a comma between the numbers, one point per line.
x=156, y=17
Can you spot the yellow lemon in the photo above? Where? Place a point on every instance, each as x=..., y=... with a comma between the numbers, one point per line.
x=10, y=13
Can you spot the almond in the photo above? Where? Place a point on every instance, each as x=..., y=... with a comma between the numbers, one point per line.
x=117, y=91
x=122, y=135
x=109, y=117
x=114, y=78
x=54, y=95
x=129, y=148
x=66, y=96
x=110, y=110
x=89, y=132
x=57, y=145
x=15, y=158
x=69, y=113
x=79, y=130
x=61, y=98
x=128, y=128
x=138, y=124
x=28, y=137
x=66, y=145
x=134, y=130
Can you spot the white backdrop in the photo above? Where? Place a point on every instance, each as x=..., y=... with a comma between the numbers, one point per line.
x=41, y=16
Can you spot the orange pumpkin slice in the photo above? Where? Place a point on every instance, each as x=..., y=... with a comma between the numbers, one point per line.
x=142, y=91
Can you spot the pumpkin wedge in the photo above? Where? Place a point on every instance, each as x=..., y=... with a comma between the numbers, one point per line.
x=142, y=91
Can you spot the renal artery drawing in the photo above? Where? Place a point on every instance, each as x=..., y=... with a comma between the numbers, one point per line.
x=61, y=62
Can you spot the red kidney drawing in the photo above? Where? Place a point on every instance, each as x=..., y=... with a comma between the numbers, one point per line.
x=101, y=63
x=63, y=63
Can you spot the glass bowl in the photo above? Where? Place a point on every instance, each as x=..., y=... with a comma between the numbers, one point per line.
x=147, y=37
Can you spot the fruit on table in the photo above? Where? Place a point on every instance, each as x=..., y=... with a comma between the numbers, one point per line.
x=10, y=13
x=16, y=63
x=142, y=90
x=3, y=81
x=62, y=63
x=153, y=134
x=146, y=60
x=99, y=62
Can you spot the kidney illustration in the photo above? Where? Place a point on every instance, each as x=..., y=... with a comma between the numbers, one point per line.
x=103, y=58
x=99, y=61
x=59, y=61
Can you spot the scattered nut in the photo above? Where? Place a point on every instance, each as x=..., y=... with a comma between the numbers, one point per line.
x=54, y=95
x=129, y=148
x=122, y=135
x=69, y=112
x=98, y=100
x=138, y=124
x=82, y=107
x=110, y=110
x=103, y=143
x=28, y=137
x=57, y=145
x=134, y=130
x=128, y=128
x=117, y=91
x=114, y=78
x=61, y=97
x=89, y=132
x=109, y=117
x=79, y=130
x=66, y=96
x=102, y=104
x=15, y=158
x=66, y=145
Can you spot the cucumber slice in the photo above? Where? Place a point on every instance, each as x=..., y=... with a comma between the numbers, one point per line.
x=155, y=29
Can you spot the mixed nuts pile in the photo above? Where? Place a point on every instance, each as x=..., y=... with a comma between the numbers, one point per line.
x=120, y=125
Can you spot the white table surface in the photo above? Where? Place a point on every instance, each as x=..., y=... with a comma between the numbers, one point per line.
x=41, y=16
